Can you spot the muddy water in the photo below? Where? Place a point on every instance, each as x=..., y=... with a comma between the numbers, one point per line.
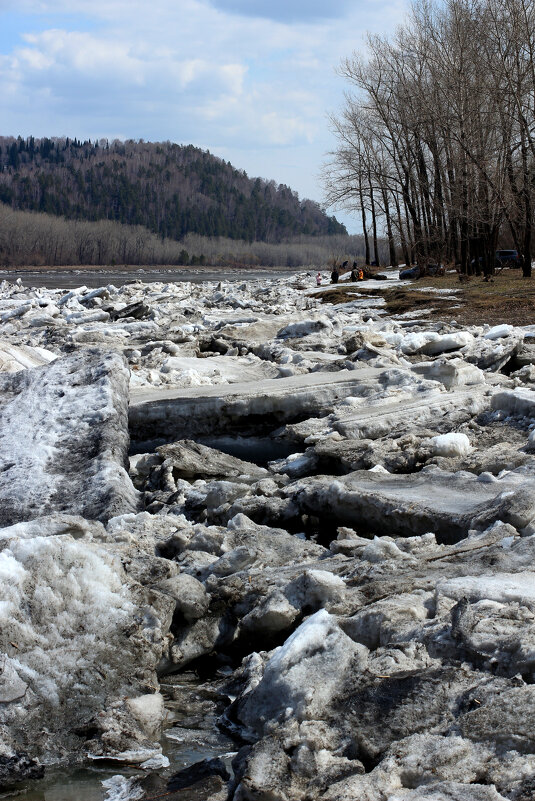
x=190, y=734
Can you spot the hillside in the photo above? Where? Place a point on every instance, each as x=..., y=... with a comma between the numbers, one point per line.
x=171, y=189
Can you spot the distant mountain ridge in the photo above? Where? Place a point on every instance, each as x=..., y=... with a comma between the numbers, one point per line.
x=171, y=189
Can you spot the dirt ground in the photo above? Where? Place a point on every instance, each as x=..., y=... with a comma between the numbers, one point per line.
x=506, y=298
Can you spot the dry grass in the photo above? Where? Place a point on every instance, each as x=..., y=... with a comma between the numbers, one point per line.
x=507, y=298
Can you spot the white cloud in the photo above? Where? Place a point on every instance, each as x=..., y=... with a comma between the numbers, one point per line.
x=256, y=87
x=81, y=54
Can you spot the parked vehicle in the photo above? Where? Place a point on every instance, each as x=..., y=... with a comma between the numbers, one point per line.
x=508, y=258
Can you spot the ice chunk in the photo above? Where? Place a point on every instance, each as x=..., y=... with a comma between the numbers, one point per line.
x=519, y=401
x=64, y=439
x=503, y=588
x=450, y=372
x=381, y=549
x=119, y=788
x=305, y=327
x=148, y=710
x=82, y=638
x=451, y=445
x=432, y=343
x=499, y=331
x=304, y=674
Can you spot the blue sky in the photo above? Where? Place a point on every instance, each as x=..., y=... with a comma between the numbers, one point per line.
x=250, y=80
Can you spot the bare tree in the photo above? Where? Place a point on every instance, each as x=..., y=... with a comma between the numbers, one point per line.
x=440, y=120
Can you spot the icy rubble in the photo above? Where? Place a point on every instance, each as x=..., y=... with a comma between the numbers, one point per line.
x=361, y=568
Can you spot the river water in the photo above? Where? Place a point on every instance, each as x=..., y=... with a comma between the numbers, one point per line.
x=68, y=279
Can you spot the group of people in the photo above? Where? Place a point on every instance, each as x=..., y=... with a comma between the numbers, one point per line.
x=357, y=273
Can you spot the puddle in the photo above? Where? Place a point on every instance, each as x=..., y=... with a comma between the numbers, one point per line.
x=258, y=450
x=190, y=735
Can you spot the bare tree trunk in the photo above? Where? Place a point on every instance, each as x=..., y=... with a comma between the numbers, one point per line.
x=374, y=224
x=364, y=224
x=404, y=245
x=391, y=243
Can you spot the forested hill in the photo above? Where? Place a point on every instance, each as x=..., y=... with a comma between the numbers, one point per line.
x=171, y=189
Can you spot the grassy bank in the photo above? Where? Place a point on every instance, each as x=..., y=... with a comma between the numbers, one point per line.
x=507, y=298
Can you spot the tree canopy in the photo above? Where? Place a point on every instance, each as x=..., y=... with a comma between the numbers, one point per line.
x=170, y=189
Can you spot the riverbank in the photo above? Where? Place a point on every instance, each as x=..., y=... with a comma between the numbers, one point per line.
x=506, y=297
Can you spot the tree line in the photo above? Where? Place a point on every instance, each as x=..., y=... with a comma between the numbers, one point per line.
x=170, y=189
x=436, y=141
x=32, y=238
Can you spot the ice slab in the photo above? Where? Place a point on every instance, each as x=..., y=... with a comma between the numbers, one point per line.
x=493, y=354
x=447, y=504
x=519, y=401
x=503, y=588
x=64, y=439
x=182, y=413
x=14, y=358
x=189, y=460
x=450, y=372
x=409, y=412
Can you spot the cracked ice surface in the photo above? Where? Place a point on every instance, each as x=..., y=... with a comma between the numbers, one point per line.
x=359, y=564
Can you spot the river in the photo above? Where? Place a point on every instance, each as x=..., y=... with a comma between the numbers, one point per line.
x=68, y=279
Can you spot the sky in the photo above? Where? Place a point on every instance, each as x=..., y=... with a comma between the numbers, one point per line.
x=252, y=81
